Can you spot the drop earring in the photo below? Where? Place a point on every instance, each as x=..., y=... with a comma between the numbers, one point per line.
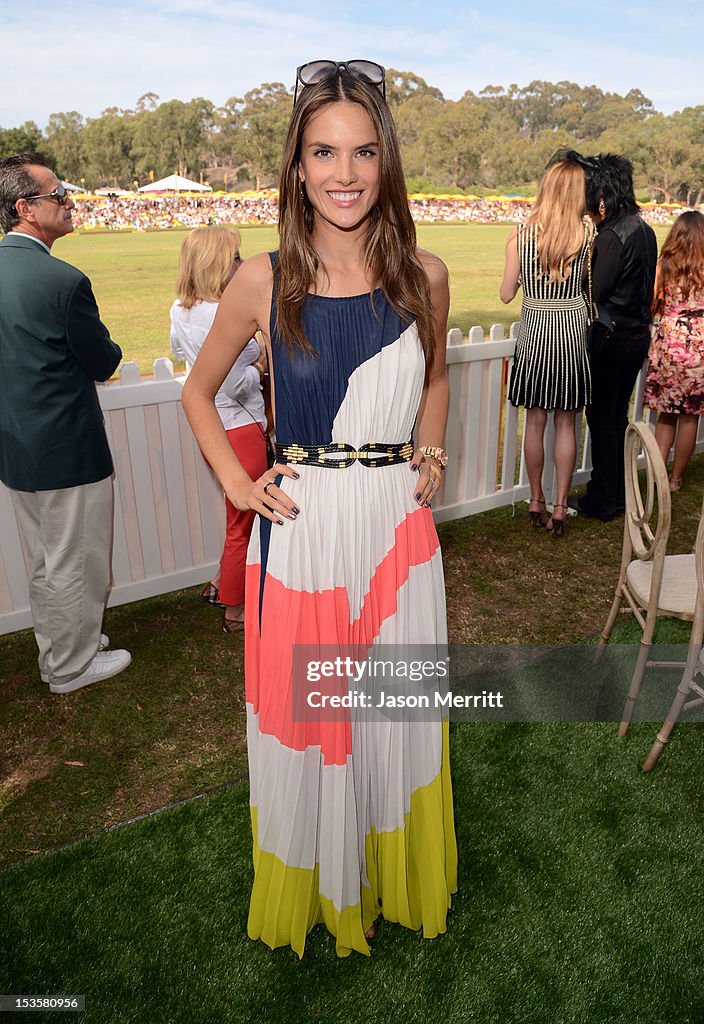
x=602, y=208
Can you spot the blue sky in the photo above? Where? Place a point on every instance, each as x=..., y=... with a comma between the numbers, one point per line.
x=72, y=55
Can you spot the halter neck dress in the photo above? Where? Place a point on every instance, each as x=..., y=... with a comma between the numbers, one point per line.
x=551, y=363
x=351, y=818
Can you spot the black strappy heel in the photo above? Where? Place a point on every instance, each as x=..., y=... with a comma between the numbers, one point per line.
x=540, y=518
x=557, y=527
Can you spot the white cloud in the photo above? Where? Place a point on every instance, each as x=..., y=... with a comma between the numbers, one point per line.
x=91, y=58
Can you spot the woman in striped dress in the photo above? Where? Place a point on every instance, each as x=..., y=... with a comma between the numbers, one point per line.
x=548, y=256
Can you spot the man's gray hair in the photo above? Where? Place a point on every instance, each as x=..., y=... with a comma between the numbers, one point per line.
x=16, y=182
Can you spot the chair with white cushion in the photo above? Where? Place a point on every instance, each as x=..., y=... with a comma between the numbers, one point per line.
x=652, y=582
x=690, y=692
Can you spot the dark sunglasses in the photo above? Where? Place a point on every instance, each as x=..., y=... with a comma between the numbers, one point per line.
x=59, y=194
x=318, y=70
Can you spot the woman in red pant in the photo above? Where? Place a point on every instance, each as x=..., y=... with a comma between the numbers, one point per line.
x=209, y=259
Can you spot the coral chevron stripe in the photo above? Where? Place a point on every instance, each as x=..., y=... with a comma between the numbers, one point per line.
x=323, y=616
x=415, y=537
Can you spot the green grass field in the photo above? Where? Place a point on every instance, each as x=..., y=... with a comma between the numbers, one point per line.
x=577, y=903
x=134, y=275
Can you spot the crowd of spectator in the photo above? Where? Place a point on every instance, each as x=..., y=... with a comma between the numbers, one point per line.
x=156, y=213
x=432, y=210
x=159, y=212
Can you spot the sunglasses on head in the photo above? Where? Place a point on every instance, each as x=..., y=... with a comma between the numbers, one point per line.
x=59, y=194
x=318, y=70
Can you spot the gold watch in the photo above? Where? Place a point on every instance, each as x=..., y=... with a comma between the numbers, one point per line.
x=439, y=454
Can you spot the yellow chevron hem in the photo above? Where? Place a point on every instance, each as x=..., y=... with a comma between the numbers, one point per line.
x=413, y=870
x=412, y=874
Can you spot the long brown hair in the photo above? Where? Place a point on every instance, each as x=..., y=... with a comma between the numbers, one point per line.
x=682, y=259
x=206, y=263
x=390, y=243
x=558, y=212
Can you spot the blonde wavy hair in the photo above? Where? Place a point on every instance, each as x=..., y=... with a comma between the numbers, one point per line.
x=206, y=264
x=558, y=213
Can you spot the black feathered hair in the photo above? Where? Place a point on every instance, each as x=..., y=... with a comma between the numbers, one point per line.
x=611, y=180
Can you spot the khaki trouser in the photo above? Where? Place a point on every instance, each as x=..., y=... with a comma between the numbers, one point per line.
x=68, y=542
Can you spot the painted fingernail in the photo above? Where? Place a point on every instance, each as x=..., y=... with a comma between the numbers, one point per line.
x=296, y=476
x=292, y=515
x=295, y=510
x=280, y=522
x=418, y=496
x=414, y=466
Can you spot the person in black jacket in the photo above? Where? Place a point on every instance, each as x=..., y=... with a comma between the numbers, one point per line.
x=54, y=454
x=623, y=274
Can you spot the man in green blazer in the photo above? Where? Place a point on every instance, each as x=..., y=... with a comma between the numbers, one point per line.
x=54, y=454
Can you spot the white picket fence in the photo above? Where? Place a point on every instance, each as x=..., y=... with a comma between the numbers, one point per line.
x=169, y=510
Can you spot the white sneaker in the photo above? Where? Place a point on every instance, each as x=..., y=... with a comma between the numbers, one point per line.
x=104, y=665
x=103, y=645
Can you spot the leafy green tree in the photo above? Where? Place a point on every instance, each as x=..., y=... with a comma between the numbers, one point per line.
x=107, y=148
x=691, y=121
x=64, y=136
x=147, y=102
x=412, y=118
x=402, y=86
x=171, y=137
x=25, y=139
x=660, y=149
x=225, y=140
x=454, y=142
x=265, y=115
x=415, y=185
x=502, y=106
x=499, y=138
x=598, y=112
x=540, y=105
x=584, y=111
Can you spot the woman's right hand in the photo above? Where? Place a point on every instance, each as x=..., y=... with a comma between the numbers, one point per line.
x=266, y=498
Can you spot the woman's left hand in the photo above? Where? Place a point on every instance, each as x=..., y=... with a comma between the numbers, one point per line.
x=429, y=477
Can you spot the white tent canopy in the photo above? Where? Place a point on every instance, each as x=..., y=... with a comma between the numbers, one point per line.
x=175, y=183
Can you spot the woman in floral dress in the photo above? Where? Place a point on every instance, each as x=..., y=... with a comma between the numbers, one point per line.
x=675, y=384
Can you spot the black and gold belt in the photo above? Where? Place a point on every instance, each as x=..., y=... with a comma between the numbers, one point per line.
x=371, y=454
